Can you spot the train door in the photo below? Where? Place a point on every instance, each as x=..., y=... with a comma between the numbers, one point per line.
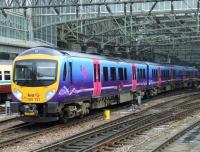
x=134, y=81
x=97, y=79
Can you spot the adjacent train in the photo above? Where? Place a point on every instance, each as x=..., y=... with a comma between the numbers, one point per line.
x=5, y=80
x=50, y=84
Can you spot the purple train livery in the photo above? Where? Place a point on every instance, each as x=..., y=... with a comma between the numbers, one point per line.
x=50, y=85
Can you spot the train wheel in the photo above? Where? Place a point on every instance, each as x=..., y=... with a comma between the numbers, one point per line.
x=147, y=94
x=63, y=117
x=81, y=116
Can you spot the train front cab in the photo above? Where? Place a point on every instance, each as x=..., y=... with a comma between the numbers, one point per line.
x=34, y=85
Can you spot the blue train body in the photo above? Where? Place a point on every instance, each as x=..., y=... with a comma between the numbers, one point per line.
x=82, y=82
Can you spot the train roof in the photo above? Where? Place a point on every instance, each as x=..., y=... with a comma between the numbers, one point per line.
x=6, y=62
x=57, y=52
x=86, y=55
x=94, y=56
x=41, y=50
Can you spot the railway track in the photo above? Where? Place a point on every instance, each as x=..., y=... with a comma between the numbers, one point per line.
x=14, y=135
x=8, y=120
x=9, y=133
x=20, y=132
x=112, y=134
x=171, y=93
x=171, y=103
x=176, y=137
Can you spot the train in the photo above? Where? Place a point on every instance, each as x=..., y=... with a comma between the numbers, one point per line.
x=51, y=85
x=5, y=80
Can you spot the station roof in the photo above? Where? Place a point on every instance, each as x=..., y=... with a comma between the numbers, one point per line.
x=150, y=30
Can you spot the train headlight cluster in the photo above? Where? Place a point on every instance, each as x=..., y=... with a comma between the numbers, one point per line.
x=50, y=94
x=17, y=94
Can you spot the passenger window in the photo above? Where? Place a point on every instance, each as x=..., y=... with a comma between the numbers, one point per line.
x=113, y=73
x=162, y=74
x=168, y=74
x=156, y=73
x=70, y=72
x=144, y=74
x=6, y=75
x=140, y=73
x=174, y=73
x=0, y=75
x=179, y=73
x=64, y=72
x=125, y=73
x=105, y=73
x=153, y=73
x=120, y=73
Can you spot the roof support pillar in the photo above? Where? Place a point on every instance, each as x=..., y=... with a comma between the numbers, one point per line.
x=84, y=48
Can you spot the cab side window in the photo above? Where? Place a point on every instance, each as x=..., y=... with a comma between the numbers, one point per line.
x=64, y=72
x=70, y=72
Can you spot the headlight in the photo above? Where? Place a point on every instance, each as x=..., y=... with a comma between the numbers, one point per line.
x=17, y=94
x=50, y=94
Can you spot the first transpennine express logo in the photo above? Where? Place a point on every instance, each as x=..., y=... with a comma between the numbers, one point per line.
x=33, y=95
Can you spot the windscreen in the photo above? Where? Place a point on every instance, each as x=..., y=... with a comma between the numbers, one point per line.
x=35, y=72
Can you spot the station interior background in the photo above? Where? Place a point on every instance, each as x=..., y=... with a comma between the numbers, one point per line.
x=164, y=31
